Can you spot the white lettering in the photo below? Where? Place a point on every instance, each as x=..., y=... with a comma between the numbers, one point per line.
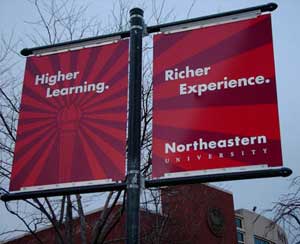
x=224, y=84
x=53, y=79
x=201, y=144
x=187, y=72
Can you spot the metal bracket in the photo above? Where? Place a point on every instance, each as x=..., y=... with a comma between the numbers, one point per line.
x=211, y=22
x=142, y=183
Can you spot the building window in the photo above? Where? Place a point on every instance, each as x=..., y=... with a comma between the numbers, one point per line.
x=240, y=237
x=258, y=240
x=238, y=223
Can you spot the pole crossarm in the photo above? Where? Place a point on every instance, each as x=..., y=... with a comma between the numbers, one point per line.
x=151, y=29
x=219, y=177
x=62, y=191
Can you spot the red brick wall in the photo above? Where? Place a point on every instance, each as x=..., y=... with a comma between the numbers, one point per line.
x=189, y=207
x=184, y=220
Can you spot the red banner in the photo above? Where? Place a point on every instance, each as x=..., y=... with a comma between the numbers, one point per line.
x=72, y=124
x=215, y=103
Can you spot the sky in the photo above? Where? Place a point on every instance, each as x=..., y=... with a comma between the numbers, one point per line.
x=286, y=38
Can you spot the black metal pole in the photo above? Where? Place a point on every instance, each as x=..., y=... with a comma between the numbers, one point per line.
x=134, y=127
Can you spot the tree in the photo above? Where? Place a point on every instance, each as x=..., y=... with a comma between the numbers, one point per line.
x=286, y=211
x=58, y=21
x=9, y=106
x=61, y=21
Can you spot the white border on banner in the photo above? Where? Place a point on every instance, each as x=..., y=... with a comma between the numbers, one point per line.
x=77, y=46
x=65, y=185
x=214, y=171
x=210, y=22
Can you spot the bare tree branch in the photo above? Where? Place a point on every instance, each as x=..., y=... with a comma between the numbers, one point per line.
x=287, y=211
x=83, y=232
x=24, y=222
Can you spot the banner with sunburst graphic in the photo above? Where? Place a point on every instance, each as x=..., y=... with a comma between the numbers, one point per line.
x=72, y=124
x=215, y=102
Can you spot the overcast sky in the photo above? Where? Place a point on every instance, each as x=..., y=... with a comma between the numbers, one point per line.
x=286, y=36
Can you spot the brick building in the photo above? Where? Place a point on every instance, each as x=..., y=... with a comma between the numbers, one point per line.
x=188, y=214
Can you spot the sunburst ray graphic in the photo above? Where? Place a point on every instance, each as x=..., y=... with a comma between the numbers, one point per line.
x=229, y=51
x=67, y=135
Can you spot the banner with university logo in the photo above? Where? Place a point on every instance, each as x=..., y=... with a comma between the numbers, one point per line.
x=215, y=102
